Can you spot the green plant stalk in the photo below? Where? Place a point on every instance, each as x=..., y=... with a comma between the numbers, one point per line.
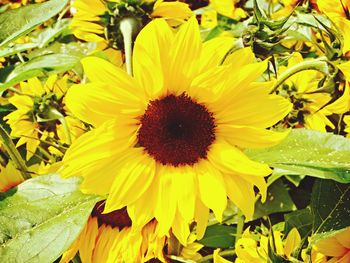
x=128, y=28
x=14, y=154
x=320, y=65
x=209, y=258
x=240, y=224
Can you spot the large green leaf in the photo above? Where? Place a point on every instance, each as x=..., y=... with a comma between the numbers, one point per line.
x=46, y=64
x=221, y=236
x=330, y=207
x=41, y=218
x=18, y=22
x=307, y=152
x=301, y=220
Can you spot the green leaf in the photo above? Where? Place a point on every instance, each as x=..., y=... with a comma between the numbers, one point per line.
x=41, y=218
x=330, y=206
x=50, y=33
x=17, y=48
x=307, y=152
x=301, y=220
x=38, y=66
x=278, y=200
x=219, y=236
x=20, y=21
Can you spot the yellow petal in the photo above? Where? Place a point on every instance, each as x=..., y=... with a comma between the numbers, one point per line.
x=185, y=53
x=132, y=179
x=292, y=242
x=229, y=159
x=165, y=206
x=341, y=105
x=250, y=137
x=97, y=146
x=181, y=229
x=184, y=183
x=97, y=102
x=252, y=101
x=240, y=58
x=344, y=237
x=218, y=258
x=201, y=217
x=211, y=188
x=172, y=10
x=88, y=237
x=330, y=247
x=100, y=70
x=241, y=194
x=214, y=52
x=151, y=57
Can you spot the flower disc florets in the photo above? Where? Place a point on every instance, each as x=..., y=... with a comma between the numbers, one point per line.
x=118, y=218
x=176, y=130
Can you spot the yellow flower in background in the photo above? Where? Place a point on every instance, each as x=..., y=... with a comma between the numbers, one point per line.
x=190, y=251
x=168, y=141
x=9, y=177
x=90, y=17
x=338, y=12
x=347, y=125
x=250, y=249
x=108, y=238
x=311, y=108
x=38, y=110
x=335, y=249
x=223, y=7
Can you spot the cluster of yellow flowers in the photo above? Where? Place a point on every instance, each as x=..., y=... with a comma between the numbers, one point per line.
x=159, y=130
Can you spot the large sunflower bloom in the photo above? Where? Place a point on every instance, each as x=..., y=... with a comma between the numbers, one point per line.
x=108, y=238
x=89, y=18
x=168, y=141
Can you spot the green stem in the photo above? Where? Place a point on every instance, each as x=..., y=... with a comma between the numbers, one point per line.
x=46, y=154
x=20, y=57
x=240, y=224
x=320, y=65
x=61, y=15
x=225, y=253
x=14, y=154
x=128, y=27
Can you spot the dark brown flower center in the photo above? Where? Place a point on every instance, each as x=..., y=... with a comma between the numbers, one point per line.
x=118, y=218
x=176, y=130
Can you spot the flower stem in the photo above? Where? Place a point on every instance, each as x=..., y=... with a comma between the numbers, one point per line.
x=229, y=252
x=240, y=224
x=320, y=65
x=128, y=27
x=14, y=154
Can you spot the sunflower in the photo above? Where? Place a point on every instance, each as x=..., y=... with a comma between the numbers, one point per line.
x=9, y=177
x=167, y=142
x=338, y=12
x=109, y=238
x=310, y=106
x=335, y=249
x=225, y=8
x=40, y=113
x=249, y=250
x=97, y=21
